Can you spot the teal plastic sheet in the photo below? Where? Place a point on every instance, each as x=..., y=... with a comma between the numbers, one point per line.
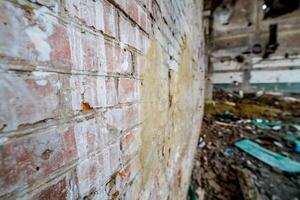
x=263, y=124
x=297, y=146
x=273, y=159
x=192, y=194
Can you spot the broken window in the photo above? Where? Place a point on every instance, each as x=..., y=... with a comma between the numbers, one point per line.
x=275, y=8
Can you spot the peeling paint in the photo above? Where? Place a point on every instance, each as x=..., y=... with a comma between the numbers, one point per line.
x=25, y=100
x=39, y=39
x=42, y=82
x=167, y=127
x=39, y=35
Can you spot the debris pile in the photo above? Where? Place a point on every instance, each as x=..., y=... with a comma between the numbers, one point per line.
x=248, y=149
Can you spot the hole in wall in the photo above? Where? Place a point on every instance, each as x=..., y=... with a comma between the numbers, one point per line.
x=286, y=55
x=235, y=83
x=224, y=16
x=3, y=127
x=46, y=154
x=256, y=48
x=86, y=107
x=240, y=59
x=246, y=52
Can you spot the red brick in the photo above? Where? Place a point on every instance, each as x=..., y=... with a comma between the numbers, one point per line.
x=70, y=144
x=112, y=159
x=89, y=12
x=137, y=13
x=87, y=51
x=61, y=52
x=90, y=46
x=146, y=3
x=111, y=90
x=89, y=137
x=133, y=10
x=91, y=61
x=127, y=90
x=124, y=118
x=118, y=60
x=57, y=191
x=130, y=144
x=34, y=36
x=122, y=4
x=89, y=175
x=24, y=160
x=88, y=89
x=28, y=99
x=142, y=19
x=141, y=41
x=128, y=173
x=129, y=32
x=52, y=4
x=135, y=188
x=109, y=19
x=110, y=134
x=140, y=65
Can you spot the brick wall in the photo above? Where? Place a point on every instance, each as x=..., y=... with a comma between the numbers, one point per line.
x=100, y=99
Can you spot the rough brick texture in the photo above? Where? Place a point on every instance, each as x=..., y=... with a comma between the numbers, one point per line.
x=100, y=99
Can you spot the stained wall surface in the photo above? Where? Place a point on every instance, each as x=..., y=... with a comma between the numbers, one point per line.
x=238, y=29
x=100, y=99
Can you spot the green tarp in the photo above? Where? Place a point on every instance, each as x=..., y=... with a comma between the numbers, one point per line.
x=273, y=159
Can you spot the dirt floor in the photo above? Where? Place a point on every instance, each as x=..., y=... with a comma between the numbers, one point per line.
x=223, y=171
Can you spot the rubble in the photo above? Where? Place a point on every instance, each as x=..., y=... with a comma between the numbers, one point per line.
x=226, y=172
x=247, y=184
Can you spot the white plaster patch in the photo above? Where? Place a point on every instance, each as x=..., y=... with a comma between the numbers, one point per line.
x=76, y=84
x=58, y=84
x=42, y=15
x=76, y=48
x=122, y=45
x=106, y=163
x=99, y=21
x=41, y=82
x=19, y=96
x=40, y=74
x=39, y=39
x=12, y=45
x=3, y=140
x=39, y=34
x=125, y=63
x=101, y=92
x=81, y=142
